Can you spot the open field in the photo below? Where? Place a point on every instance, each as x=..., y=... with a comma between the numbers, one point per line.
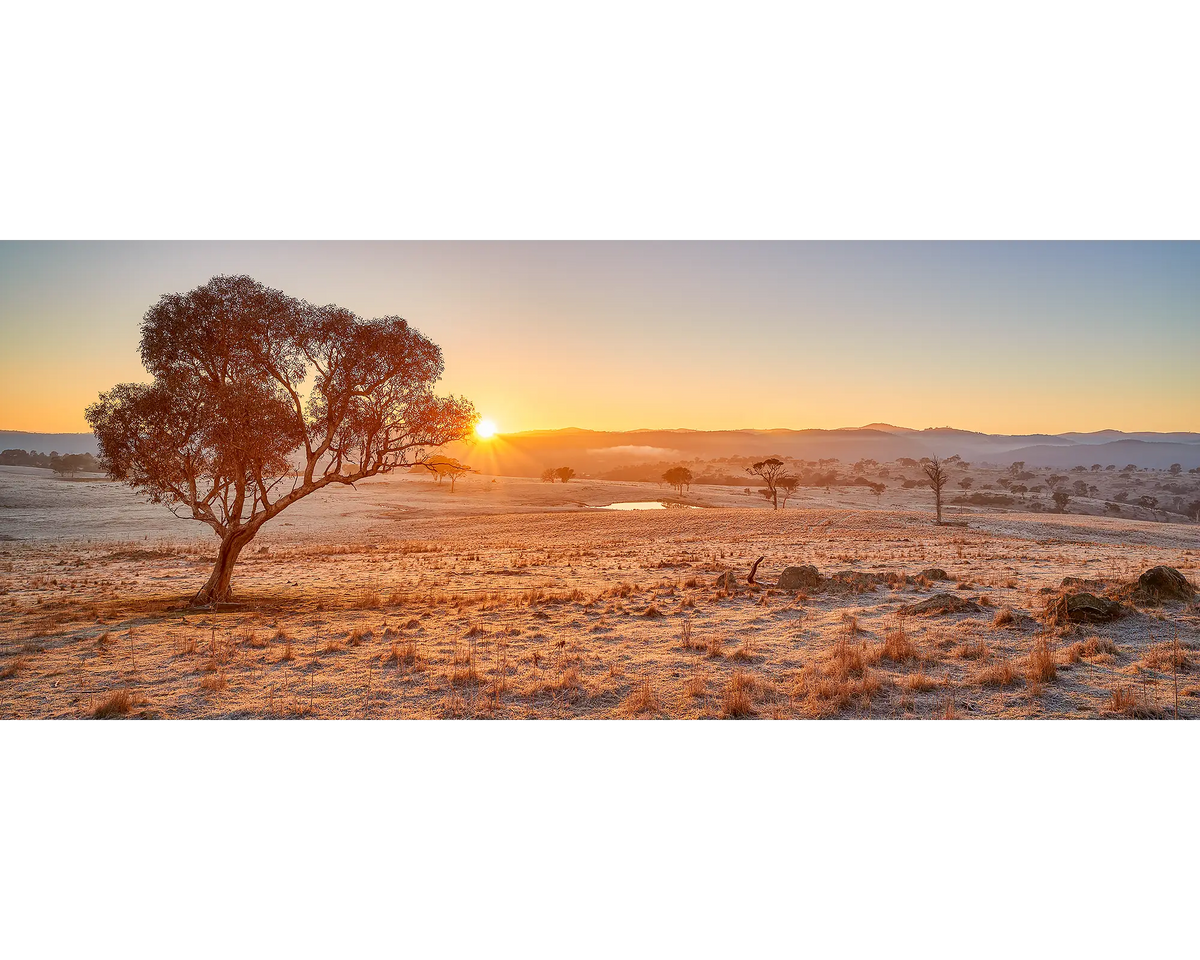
x=519, y=599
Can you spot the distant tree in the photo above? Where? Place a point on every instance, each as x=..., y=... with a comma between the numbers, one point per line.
x=1016, y=468
x=1111, y=466
x=1130, y=467
x=678, y=477
x=1175, y=469
x=548, y=475
x=1061, y=499
x=936, y=479
x=1093, y=490
x=1194, y=470
x=1193, y=510
x=824, y=479
x=564, y=474
x=259, y=400
x=1079, y=468
x=770, y=471
x=966, y=483
x=444, y=467
x=1080, y=487
x=787, y=485
x=1096, y=468
x=1055, y=479
x=1019, y=489
x=1149, y=503
x=434, y=466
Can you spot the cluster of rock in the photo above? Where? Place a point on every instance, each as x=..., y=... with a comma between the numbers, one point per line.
x=1077, y=600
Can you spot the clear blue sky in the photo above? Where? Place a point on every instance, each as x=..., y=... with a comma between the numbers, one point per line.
x=1000, y=337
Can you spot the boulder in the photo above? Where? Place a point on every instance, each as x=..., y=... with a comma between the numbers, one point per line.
x=804, y=577
x=1085, y=608
x=939, y=603
x=1164, y=583
x=726, y=581
x=854, y=581
x=935, y=573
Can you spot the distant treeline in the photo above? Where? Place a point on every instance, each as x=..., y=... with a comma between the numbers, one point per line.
x=71, y=463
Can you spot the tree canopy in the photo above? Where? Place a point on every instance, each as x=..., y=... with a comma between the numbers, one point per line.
x=678, y=477
x=260, y=399
x=771, y=471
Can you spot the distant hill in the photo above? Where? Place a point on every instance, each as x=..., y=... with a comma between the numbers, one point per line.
x=594, y=451
x=527, y=454
x=46, y=442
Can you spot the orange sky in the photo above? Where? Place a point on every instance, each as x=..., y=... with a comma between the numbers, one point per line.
x=1002, y=338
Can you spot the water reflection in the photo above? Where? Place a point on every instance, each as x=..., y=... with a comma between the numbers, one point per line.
x=648, y=505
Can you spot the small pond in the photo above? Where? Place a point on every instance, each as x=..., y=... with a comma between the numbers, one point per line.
x=648, y=505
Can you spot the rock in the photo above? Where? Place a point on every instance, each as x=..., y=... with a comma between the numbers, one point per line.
x=1085, y=608
x=1164, y=583
x=855, y=581
x=935, y=573
x=939, y=603
x=726, y=581
x=805, y=578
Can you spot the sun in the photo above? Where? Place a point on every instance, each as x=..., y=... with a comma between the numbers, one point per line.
x=485, y=429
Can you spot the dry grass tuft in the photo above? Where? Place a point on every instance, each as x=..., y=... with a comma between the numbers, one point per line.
x=736, y=699
x=976, y=650
x=214, y=682
x=688, y=636
x=116, y=704
x=850, y=624
x=920, y=682
x=403, y=654
x=1167, y=657
x=10, y=670
x=288, y=653
x=1124, y=701
x=357, y=637
x=1093, y=648
x=1003, y=618
x=1041, y=668
x=641, y=700
x=696, y=686
x=745, y=652
x=368, y=600
x=998, y=674
x=896, y=646
x=713, y=648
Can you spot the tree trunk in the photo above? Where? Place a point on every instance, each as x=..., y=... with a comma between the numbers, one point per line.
x=217, y=589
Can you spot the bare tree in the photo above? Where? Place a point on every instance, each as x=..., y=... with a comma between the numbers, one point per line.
x=936, y=479
x=564, y=473
x=770, y=471
x=548, y=475
x=260, y=399
x=787, y=486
